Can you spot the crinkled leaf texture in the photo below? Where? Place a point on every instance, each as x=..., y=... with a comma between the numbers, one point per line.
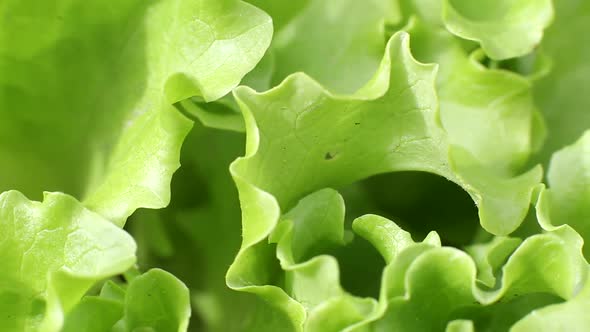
x=301, y=138
x=97, y=87
x=488, y=112
x=52, y=252
x=86, y=107
x=446, y=278
x=307, y=33
x=561, y=209
x=95, y=83
x=424, y=286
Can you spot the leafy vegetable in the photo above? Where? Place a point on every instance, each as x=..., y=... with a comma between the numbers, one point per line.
x=102, y=115
x=346, y=166
x=497, y=104
x=154, y=301
x=52, y=253
x=505, y=29
x=562, y=95
x=568, y=199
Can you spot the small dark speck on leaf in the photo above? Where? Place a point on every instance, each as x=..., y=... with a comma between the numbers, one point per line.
x=328, y=156
x=357, y=123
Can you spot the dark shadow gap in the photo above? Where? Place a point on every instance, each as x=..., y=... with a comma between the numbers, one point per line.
x=418, y=202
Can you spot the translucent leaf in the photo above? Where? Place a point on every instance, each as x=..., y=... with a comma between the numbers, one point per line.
x=52, y=252
x=99, y=88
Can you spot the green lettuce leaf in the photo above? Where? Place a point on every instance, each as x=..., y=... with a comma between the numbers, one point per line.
x=153, y=301
x=98, y=100
x=339, y=43
x=197, y=235
x=561, y=209
x=490, y=257
x=567, y=201
x=523, y=278
x=460, y=325
x=52, y=252
x=281, y=12
x=301, y=138
x=564, y=95
x=158, y=301
x=94, y=314
x=224, y=113
x=220, y=114
x=568, y=316
x=99, y=87
x=97, y=313
x=489, y=112
x=446, y=279
x=313, y=226
x=307, y=33
x=291, y=122
x=505, y=29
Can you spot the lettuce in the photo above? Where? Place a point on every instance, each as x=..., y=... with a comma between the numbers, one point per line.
x=411, y=165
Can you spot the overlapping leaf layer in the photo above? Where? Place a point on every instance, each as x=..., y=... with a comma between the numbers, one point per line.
x=319, y=140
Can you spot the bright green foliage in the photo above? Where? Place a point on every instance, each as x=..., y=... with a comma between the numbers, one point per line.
x=97, y=313
x=460, y=325
x=568, y=199
x=416, y=273
x=490, y=257
x=281, y=12
x=446, y=279
x=198, y=235
x=157, y=300
x=390, y=124
x=568, y=316
x=153, y=301
x=504, y=28
x=337, y=42
x=381, y=157
x=307, y=33
x=488, y=112
x=102, y=118
x=52, y=253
